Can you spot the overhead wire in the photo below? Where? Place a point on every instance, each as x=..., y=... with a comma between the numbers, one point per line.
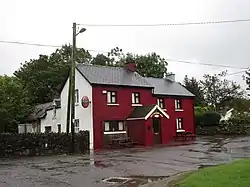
x=101, y=51
x=167, y=24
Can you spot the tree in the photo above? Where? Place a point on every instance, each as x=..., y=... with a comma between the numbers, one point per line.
x=247, y=78
x=149, y=65
x=217, y=89
x=194, y=87
x=101, y=59
x=14, y=106
x=44, y=77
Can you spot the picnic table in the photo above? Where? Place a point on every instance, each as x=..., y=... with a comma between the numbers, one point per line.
x=122, y=142
x=185, y=136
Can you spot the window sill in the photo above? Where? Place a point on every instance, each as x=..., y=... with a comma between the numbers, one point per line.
x=136, y=104
x=179, y=110
x=112, y=104
x=115, y=132
x=180, y=130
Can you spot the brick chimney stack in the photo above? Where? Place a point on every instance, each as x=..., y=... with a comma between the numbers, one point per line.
x=130, y=66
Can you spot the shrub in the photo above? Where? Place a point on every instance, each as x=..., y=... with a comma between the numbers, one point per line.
x=34, y=144
x=210, y=118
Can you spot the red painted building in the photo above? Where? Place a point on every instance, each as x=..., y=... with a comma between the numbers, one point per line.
x=148, y=110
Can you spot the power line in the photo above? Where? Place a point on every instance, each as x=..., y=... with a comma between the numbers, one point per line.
x=100, y=51
x=206, y=64
x=43, y=45
x=167, y=24
x=235, y=73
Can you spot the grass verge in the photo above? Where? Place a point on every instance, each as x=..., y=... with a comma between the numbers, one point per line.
x=236, y=174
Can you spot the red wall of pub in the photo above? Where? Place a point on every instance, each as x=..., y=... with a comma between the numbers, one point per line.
x=103, y=112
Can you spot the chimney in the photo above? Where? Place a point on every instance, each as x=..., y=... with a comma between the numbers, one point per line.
x=171, y=77
x=130, y=66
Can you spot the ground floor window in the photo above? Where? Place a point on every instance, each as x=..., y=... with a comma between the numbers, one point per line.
x=77, y=127
x=59, y=128
x=47, y=129
x=179, y=123
x=110, y=126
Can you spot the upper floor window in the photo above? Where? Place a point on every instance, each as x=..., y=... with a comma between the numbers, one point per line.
x=160, y=103
x=111, y=97
x=135, y=98
x=110, y=126
x=178, y=104
x=76, y=96
x=179, y=123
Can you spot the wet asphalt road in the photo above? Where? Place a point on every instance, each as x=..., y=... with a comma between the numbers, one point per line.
x=88, y=171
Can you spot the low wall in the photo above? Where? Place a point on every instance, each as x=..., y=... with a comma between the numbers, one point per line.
x=31, y=144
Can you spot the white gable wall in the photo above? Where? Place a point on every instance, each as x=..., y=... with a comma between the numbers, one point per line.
x=85, y=115
x=50, y=120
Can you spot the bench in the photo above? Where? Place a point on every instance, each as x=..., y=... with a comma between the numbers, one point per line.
x=185, y=136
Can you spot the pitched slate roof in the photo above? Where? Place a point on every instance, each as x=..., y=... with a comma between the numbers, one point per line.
x=168, y=87
x=141, y=111
x=111, y=76
x=40, y=111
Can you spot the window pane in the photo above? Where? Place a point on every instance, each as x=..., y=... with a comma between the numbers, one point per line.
x=59, y=128
x=106, y=126
x=113, y=99
x=133, y=98
x=121, y=126
x=108, y=97
x=48, y=129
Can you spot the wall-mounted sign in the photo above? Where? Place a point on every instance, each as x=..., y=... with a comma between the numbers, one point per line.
x=85, y=102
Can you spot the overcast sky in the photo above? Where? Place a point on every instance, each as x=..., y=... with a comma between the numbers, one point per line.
x=50, y=22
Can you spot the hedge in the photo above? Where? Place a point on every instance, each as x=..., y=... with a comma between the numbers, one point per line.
x=38, y=144
x=207, y=118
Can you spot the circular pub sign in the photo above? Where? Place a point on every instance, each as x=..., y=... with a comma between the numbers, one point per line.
x=85, y=102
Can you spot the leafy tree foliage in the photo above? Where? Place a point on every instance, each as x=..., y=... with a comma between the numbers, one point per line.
x=149, y=65
x=44, y=77
x=14, y=105
x=217, y=89
x=194, y=87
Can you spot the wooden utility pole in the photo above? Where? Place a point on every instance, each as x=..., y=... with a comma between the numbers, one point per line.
x=69, y=104
x=73, y=66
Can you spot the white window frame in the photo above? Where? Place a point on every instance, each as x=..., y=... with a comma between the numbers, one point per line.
x=111, y=95
x=136, y=99
x=77, y=125
x=179, y=124
x=109, y=130
x=106, y=126
x=178, y=105
x=159, y=103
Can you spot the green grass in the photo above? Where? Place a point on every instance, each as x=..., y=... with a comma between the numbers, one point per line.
x=236, y=174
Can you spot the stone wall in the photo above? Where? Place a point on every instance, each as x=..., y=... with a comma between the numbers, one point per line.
x=31, y=144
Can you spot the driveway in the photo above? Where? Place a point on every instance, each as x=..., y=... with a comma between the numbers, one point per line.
x=139, y=165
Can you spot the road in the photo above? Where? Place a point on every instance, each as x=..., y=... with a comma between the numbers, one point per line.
x=138, y=164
